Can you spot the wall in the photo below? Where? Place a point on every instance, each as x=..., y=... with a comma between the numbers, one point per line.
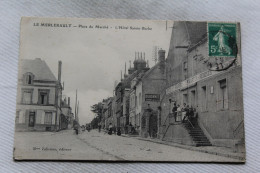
x=22, y=123
x=220, y=124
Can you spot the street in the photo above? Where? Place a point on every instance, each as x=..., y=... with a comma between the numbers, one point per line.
x=100, y=146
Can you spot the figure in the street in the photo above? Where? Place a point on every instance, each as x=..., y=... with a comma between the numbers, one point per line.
x=118, y=131
x=183, y=109
x=110, y=129
x=187, y=113
x=76, y=128
x=114, y=129
x=99, y=127
x=174, y=111
x=179, y=112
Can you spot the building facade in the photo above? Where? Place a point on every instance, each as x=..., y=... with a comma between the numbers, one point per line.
x=38, y=97
x=215, y=93
x=123, y=90
x=67, y=115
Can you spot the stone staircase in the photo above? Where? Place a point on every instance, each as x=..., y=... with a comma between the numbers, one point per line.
x=197, y=134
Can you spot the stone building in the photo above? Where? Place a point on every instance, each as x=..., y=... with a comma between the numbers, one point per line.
x=122, y=90
x=147, y=88
x=38, y=97
x=107, y=111
x=67, y=115
x=215, y=93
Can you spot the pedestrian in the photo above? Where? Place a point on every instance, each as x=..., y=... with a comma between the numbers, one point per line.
x=110, y=128
x=191, y=113
x=118, y=131
x=195, y=113
x=130, y=128
x=76, y=128
x=99, y=127
x=178, y=113
x=183, y=109
x=187, y=113
x=174, y=111
x=114, y=129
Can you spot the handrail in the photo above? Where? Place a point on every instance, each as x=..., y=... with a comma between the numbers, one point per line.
x=165, y=130
x=190, y=123
x=166, y=119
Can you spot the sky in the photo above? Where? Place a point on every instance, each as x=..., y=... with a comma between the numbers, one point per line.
x=92, y=58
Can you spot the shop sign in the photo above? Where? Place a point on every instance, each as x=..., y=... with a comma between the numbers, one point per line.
x=191, y=81
x=152, y=97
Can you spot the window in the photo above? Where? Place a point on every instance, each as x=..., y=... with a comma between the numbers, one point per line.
x=28, y=78
x=185, y=98
x=193, y=98
x=27, y=96
x=48, y=118
x=185, y=66
x=136, y=101
x=204, y=98
x=43, y=97
x=222, y=95
x=140, y=99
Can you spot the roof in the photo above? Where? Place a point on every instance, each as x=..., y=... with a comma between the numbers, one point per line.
x=197, y=31
x=150, y=71
x=38, y=68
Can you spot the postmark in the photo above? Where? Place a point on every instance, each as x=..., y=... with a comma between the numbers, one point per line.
x=222, y=45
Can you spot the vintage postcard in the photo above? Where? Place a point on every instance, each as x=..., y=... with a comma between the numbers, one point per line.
x=129, y=90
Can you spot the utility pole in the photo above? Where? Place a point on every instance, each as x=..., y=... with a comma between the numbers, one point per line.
x=76, y=105
x=78, y=112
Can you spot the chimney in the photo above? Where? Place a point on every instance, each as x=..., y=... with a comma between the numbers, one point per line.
x=59, y=71
x=161, y=54
x=69, y=101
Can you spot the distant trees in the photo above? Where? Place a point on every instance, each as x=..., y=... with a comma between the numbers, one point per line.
x=97, y=109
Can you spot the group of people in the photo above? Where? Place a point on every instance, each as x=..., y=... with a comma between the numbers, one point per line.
x=111, y=129
x=184, y=113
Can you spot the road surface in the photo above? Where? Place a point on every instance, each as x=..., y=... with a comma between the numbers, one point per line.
x=99, y=146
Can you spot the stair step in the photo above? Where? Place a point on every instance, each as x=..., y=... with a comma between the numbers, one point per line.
x=197, y=134
x=203, y=144
x=201, y=141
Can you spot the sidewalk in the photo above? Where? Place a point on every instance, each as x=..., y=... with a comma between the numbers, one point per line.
x=220, y=151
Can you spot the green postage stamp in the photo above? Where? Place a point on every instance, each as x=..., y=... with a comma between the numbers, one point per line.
x=222, y=39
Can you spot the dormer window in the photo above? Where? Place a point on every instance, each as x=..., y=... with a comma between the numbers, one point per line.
x=28, y=78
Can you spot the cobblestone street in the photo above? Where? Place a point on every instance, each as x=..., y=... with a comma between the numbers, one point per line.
x=101, y=146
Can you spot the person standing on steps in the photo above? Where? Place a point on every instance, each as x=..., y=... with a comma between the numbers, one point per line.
x=178, y=113
x=174, y=111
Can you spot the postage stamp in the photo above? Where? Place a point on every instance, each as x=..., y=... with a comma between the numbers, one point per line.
x=222, y=39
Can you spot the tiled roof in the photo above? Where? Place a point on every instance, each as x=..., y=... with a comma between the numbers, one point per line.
x=197, y=31
x=38, y=68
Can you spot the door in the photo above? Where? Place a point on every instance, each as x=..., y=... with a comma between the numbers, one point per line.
x=153, y=124
x=31, y=119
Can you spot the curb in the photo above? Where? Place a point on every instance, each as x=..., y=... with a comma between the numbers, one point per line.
x=189, y=148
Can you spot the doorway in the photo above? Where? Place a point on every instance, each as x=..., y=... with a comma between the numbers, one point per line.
x=31, y=119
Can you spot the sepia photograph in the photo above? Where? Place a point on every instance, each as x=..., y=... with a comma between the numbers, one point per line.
x=129, y=90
